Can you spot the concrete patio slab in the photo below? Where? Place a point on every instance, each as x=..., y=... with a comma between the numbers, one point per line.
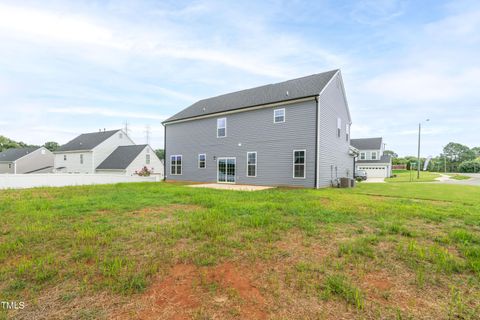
x=236, y=187
x=374, y=180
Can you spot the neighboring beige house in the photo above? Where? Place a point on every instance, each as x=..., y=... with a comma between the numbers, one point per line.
x=371, y=158
x=87, y=151
x=128, y=160
x=26, y=160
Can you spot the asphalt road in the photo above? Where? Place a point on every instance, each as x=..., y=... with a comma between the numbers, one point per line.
x=473, y=181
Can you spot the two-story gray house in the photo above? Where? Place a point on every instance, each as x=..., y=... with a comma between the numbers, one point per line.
x=371, y=158
x=293, y=133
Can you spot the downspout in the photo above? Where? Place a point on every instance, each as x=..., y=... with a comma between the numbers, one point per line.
x=164, y=152
x=317, y=138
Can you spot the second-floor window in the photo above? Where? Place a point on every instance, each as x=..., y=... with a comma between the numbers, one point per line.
x=374, y=156
x=339, y=127
x=64, y=157
x=81, y=159
x=221, y=127
x=202, y=161
x=362, y=156
x=147, y=159
x=278, y=115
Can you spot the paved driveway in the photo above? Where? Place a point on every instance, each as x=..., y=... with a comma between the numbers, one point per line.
x=473, y=181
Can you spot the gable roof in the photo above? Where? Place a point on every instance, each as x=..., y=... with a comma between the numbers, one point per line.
x=16, y=153
x=304, y=87
x=121, y=157
x=87, y=141
x=367, y=143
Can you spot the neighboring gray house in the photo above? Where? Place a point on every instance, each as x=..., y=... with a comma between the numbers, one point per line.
x=26, y=160
x=87, y=151
x=371, y=157
x=294, y=133
x=128, y=160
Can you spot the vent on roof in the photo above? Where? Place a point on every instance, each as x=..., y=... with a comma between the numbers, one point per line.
x=287, y=93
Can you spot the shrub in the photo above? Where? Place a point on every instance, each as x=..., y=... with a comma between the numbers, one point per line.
x=145, y=172
x=472, y=166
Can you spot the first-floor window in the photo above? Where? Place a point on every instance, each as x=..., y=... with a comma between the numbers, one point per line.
x=176, y=164
x=299, y=163
x=278, y=115
x=202, y=159
x=147, y=159
x=81, y=159
x=9, y=166
x=251, y=164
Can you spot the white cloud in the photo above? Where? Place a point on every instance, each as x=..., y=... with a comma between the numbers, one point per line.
x=106, y=113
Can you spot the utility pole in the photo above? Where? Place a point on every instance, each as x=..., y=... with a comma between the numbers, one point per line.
x=125, y=127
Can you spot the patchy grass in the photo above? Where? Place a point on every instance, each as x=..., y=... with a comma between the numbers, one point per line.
x=397, y=250
x=411, y=176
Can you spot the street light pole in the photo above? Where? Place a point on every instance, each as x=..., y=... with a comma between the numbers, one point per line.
x=418, y=156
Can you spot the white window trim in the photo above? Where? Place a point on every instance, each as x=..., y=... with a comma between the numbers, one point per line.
x=222, y=128
x=256, y=160
x=304, y=164
x=374, y=153
x=284, y=115
x=148, y=159
x=198, y=162
x=235, y=176
x=364, y=155
x=81, y=158
x=181, y=165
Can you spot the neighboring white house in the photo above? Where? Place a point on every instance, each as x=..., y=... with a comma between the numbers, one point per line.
x=128, y=160
x=26, y=160
x=87, y=151
x=371, y=158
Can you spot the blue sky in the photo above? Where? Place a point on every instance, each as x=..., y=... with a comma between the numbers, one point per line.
x=73, y=67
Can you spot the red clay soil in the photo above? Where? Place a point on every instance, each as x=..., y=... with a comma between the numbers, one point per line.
x=180, y=295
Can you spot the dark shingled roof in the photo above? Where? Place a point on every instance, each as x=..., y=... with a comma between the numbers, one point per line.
x=297, y=88
x=15, y=154
x=367, y=143
x=383, y=159
x=122, y=157
x=87, y=141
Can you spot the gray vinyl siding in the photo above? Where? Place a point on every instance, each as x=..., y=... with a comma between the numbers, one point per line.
x=333, y=151
x=4, y=167
x=255, y=131
x=35, y=160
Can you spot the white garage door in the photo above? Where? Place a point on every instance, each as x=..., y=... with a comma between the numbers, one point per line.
x=375, y=171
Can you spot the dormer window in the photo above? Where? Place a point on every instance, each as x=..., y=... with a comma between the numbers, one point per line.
x=374, y=155
x=362, y=156
x=221, y=127
x=279, y=115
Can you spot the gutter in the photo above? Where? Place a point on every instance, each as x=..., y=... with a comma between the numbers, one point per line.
x=164, y=152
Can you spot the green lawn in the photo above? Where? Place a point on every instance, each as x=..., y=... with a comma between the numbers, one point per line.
x=396, y=250
x=459, y=177
x=411, y=176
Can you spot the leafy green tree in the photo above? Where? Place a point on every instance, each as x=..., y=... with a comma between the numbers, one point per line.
x=476, y=150
x=456, y=152
x=160, y=154
x=472, y=166
x=6, y=143
x=51, y=145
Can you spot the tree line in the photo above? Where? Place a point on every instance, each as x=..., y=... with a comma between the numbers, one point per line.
x=455, y=157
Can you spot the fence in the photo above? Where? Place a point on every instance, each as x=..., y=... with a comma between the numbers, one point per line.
x=19, y=181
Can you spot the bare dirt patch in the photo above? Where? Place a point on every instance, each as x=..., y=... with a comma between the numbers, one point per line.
x=168, y=209
x=225, y=291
